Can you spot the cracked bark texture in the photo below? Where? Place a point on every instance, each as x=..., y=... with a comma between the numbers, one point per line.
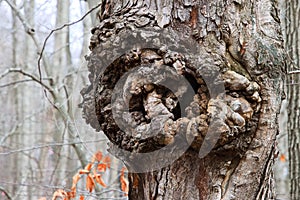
x=232, y=104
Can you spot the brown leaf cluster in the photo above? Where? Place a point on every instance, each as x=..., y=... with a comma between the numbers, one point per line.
x=93, y=172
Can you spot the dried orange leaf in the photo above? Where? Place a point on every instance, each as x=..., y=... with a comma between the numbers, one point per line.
x=101, y=167
x=99, y=180
x=81, y=197
x=282, y=158
x=72, y=193
x=123, y=170
x=76, y=178
x=59, y=193
x=83, y=171
x=98, y=156
x=124, y=185
x=90, y=183
x=88, y=166
x=124, y=182
x=73, y=188
x=106, y=160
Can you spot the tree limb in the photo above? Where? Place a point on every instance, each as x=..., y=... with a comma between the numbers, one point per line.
x=78, y=143
x=18, y=82
x=50, y=145
x=16, y=126
x=28, y=29
x=60, y=28
x=294, y=72
x=33, y=78
x=6, y=193
x=61, y=109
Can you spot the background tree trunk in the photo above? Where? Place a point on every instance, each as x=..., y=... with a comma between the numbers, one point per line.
x=293, y=88
x=239, y=46
x=37, y=142
x=281, y=169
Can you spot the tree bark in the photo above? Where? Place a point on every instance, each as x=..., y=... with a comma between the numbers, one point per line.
x=188, y=93
x=293, y=88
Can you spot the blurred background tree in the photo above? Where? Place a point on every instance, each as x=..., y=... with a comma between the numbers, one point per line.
x=43, y=139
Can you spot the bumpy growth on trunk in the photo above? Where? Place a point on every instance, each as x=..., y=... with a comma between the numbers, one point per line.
x=188, y=93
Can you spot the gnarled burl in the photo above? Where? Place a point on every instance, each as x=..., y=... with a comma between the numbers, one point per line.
x=188, y=94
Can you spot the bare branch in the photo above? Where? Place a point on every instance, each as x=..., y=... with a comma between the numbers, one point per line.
x=30, y=185
x=50, y=145
x=28, y=29
x=63, y=112
x=60, y=28
x=20, y=81
x=294, y=72
x=292, y=84
x=78, y=144
x=15, y=83
x=6, y=193
x=32, y=77
x=16, y=126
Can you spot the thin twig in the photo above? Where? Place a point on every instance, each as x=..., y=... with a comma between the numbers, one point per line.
x=60, y=28
x=15, y=83
x=39, y=79
x=49, y=145
x=16, y=126
x=294, y=72
x=20, y=81
x=32, y=77
x=30, y=185
x=28, y=29
x=6, y=193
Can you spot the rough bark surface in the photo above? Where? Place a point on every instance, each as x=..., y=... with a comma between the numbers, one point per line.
x=236, y=85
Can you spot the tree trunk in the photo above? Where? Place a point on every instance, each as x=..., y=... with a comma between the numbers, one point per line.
x=188, y=93
x=293, y=88
x=61, y=63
